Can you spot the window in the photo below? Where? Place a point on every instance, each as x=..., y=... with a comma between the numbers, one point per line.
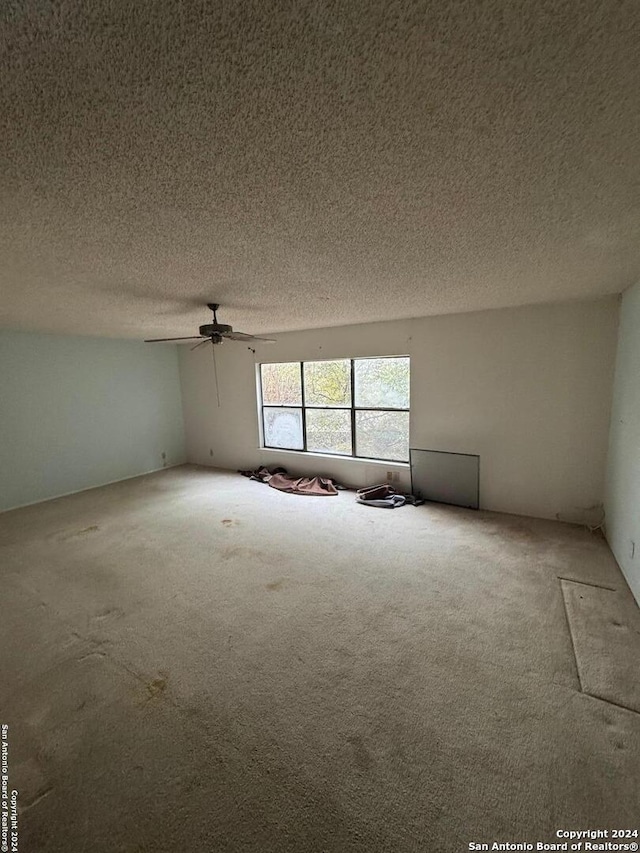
x=350, y=407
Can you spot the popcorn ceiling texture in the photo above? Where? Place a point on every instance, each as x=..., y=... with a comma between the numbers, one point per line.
x=312, y=164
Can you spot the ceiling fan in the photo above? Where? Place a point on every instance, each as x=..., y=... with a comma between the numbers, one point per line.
x=214, y=332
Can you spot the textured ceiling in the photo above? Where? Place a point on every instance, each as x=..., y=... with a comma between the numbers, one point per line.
x=312, y=163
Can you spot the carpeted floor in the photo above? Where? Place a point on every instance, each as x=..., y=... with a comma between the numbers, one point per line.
x=195, y=662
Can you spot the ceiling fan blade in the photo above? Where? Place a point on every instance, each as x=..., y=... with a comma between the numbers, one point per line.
x=205, y=341
x=241, y=336
x=157, y=340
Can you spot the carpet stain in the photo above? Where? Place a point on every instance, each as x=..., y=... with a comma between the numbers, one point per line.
x=361, y=755
x=230, y=553
x=113, y=612
x=156, y=687
x=274, y=586
x=85, y=530
x=92, y=655
x=229, y=522
x=39, y=796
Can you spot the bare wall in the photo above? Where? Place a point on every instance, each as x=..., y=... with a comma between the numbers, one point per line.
x=623, y=472
x=79, y=412
x=529, y=389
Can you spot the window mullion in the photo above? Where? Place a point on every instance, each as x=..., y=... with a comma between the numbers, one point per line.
x=353, y=411
x=304, y=408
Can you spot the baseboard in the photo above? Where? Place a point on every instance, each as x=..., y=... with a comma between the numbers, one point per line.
x=89, y=488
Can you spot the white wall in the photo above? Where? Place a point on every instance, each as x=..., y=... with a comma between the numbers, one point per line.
x=79, y=412
x=529, y=389
x=623, y=475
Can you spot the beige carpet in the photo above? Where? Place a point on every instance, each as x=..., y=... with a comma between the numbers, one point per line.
x=195, y=662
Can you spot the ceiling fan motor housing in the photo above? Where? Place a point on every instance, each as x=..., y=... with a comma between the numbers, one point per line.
x=215, y=329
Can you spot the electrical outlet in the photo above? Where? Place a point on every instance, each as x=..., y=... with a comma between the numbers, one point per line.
x=389, y=476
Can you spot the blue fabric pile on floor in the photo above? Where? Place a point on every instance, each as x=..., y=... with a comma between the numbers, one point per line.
x=385, y=496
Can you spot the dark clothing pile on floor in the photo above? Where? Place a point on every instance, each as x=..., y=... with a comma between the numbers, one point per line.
x=278, y=478
x=385, y=496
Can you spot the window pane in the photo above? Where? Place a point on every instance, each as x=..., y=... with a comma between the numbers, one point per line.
x=383, y=435
x=281, y=385
x=382, y=382
x=327, y=383
x=283, y=428
x=329, y=431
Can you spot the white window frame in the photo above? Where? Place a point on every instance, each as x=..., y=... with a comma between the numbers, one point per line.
x=352, y=408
